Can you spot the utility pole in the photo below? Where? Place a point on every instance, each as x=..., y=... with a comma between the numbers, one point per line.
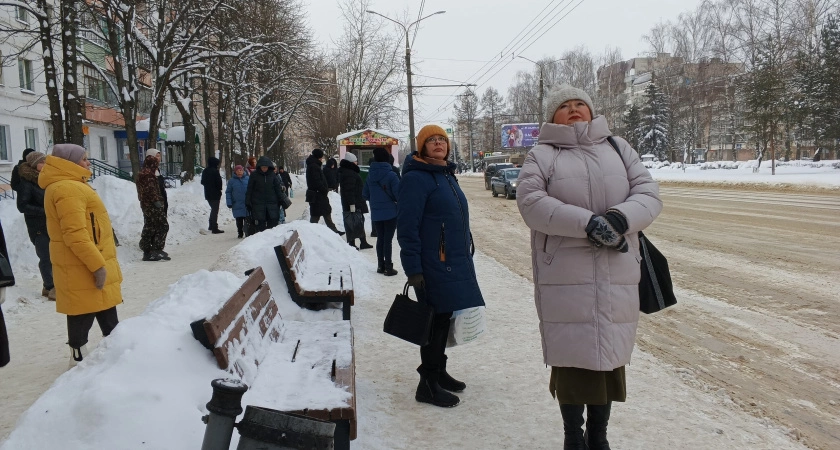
x=408, y=72
x=540, y=94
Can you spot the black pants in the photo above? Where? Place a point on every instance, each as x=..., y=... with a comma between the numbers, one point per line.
x=240, y=225
x=214, y=213
x=385, y=230
x=327, y=220
x=432, y=354
x=41, y=240
x=79, y=326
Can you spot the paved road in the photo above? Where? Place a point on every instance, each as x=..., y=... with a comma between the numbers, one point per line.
x=758, y=278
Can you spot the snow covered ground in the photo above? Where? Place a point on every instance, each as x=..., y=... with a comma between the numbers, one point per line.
x=146, y=385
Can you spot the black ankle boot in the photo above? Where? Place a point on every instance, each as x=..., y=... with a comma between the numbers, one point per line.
x=597, y=417
x=364, y=245
x=388, y=270
x=429, y=391
x=447, y=382
x=380, y=266
x=572, y=427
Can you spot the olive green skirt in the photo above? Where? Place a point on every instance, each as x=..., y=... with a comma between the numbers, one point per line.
x=575, y=386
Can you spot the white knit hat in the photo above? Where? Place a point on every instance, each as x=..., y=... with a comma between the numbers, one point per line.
x=350, y=157
x=561, y=94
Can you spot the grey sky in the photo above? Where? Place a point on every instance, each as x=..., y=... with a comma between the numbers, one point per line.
x=450, y=45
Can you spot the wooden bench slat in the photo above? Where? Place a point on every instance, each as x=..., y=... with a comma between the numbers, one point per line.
x=216, y=326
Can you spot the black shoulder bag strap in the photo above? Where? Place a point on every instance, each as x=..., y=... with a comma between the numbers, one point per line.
x=388, y=193
x=615, y=146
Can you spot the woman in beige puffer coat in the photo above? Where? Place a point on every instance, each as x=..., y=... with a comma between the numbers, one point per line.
x=585, y=206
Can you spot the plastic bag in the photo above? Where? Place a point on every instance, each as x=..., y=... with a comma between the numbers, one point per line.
x=466, y=326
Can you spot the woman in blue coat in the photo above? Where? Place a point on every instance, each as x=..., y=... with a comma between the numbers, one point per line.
x=381, y=189
x=235, y=198
x=433, y=229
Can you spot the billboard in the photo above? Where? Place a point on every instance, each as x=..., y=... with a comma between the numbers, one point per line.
x=520, y=135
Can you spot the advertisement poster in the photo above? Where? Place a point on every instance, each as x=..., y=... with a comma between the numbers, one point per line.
x=520, y=135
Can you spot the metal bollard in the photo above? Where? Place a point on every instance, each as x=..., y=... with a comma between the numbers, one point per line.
x=268, y=429
x=224, y=406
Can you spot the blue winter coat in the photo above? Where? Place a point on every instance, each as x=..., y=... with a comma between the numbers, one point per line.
x=433, y=229
x=381, y=189
x=235, y=194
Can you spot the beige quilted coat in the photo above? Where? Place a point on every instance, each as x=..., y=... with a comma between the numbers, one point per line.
x=587, y=298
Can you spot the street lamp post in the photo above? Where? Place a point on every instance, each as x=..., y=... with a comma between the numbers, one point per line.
x=408, y=71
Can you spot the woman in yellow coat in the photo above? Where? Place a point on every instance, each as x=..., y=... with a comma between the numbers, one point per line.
x=84, y=257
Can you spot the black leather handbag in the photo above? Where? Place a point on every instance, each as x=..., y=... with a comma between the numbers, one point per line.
x=7, y=278
x=656, y=291
x=409, y=320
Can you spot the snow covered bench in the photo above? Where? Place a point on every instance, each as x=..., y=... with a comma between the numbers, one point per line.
x=247, y=331
x=307, y=285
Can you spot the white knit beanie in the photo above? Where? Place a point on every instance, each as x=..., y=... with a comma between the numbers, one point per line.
x=561, y=94
x=350, y=157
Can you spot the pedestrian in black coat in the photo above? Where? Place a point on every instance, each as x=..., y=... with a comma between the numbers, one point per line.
x=317, y=191
x=331, y=174
x=265, y=195
x=211, y=179
x=4, y=337
x=285, y=178
x=30, y=202
x=15, y=181
x=353, y=205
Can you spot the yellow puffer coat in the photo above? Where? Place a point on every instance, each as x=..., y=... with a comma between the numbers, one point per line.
x=81, y=240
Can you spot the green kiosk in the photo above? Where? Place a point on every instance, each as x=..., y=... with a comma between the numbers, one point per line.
x=362, y=142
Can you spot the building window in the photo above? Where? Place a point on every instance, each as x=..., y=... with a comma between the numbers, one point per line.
x=103, y=148
x=31, y=135
x=25, y=73
x=4, y=143
x=22, y=14
x=96, y=89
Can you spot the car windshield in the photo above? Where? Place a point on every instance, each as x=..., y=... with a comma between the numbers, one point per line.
x=511, y=174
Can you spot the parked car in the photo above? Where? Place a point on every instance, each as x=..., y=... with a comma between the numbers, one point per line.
x=491, y=170
x=505, y=182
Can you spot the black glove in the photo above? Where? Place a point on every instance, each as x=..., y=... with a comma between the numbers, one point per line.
x=158, y=204
x=602, y=232
x=417, y=281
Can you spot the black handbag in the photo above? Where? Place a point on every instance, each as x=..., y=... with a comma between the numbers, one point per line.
x=409, y=320
x=285, y=203
x=656, y=291
x=7, y=278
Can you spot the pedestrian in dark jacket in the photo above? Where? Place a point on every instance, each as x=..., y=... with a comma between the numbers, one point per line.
x=30, y=202
x=237, y=187
x=265, y=196
x=4, y=337
x=331, y=173
x=285, y=178
x=433, y=229
x=15, y=176
x=394, y=168
x=317, y=191
x=155, y=225
x=212, y=181
x=381, y=188
x=353, y=205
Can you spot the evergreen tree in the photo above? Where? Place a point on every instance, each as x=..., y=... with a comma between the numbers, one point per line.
x=632, y=123
x=654, y=124
x=764, y=95
x=829, y=114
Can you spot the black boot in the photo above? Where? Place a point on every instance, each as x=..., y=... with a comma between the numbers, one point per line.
x=572, y=427
x=389, y=270
x=429, y=391
x=380, y=266
x=151, y=256
x=597, y=417
x=447, y=382
x=364, y=245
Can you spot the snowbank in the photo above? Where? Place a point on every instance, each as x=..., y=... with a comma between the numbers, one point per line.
x=823, y=174
x=146, y=386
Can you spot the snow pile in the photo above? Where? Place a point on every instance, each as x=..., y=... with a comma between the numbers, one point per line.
x=146, y=385
x=721, y=165
x=21, y=255
x=822, y=175
x=188, y=213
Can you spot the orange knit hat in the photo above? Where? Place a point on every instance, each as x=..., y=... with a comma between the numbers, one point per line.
x=429, y=131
